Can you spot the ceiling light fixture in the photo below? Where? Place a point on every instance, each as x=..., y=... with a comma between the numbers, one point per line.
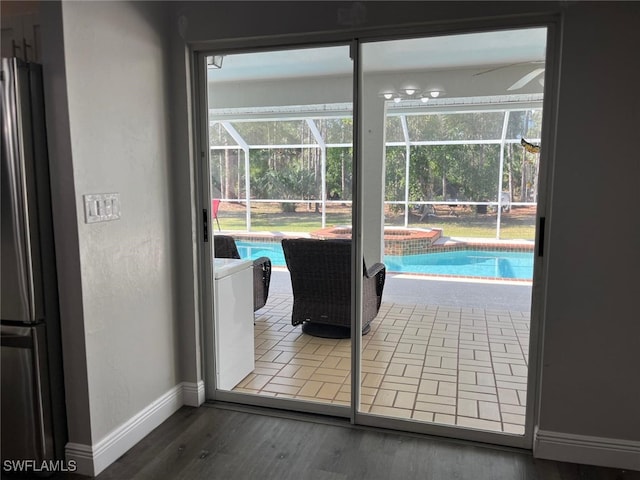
x=410, y=93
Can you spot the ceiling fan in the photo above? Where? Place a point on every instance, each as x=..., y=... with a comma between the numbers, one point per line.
x=525, y=79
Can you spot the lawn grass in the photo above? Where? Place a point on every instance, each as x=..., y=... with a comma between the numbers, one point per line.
x=521, y=228
x=513, y=232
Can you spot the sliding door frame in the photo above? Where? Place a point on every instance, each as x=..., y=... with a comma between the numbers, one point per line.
x=553, y=24
x=203, y=175
x=538, y=284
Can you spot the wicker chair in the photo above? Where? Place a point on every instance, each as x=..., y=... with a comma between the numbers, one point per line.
x=321, y=280
x=225, y=247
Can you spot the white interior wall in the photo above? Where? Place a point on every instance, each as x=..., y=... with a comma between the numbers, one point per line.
x=109, y=109
x=590, y=379
x=589, y=387
x=119, y=122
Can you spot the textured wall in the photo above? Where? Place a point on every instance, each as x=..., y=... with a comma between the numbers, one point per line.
x=590, y=375
x=116, y=68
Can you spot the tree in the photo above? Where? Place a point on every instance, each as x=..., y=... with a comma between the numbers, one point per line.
x=338, y=175
x=290, y=183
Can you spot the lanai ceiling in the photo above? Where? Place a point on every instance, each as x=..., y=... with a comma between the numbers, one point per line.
x=481, y=50
x=468, y=65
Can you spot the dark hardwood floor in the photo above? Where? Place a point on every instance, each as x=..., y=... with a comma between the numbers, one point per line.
x=223, y=442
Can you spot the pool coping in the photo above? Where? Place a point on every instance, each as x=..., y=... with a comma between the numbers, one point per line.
x=440, y=245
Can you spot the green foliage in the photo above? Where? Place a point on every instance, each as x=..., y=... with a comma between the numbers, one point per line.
x=292, y=182
x=339, y=172
x=453, y=172
x=395, y=169
x=464, y=172
x=227, y=173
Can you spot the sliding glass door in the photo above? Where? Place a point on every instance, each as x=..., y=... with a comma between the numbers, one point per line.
x=279, y=167
x=428, y=169
x=450, y=132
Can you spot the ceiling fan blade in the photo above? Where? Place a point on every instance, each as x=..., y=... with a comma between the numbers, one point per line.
x=500, y=67
x=526, y=79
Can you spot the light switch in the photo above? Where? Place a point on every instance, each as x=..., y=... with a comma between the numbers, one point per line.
x=101, y=207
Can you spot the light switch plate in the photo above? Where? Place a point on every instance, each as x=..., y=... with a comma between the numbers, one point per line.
x=101, y=207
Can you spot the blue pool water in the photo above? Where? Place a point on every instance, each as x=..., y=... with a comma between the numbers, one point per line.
x=468, y=263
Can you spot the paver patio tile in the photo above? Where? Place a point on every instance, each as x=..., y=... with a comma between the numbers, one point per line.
x=475, y=368
x=511, y=385
x=435, y=407
x=519, y=370
x=513, y=418
x=385, y=397
x=305, y=362
x=405, y=400
x=444, y=419
x=515, y=429
x=396, y=369
x=404, y=387
x=374, y=380
x=467, y=377
x=447, y=389
x=440, y=378
x=279, y=388
x=440, y=358
x=436, y=399
x=489, y=410
x=413, y=371
x=390, y=411
x=467, y=407
x=464, y=387
x=294, y=382
x=422, y=416
x=485, y=379
x=402, y=379
x=305, y=373
x=508, y=396
x=328, y=391
x=428, y=386
x=310, y=388
x=440, y=371
x=478, y=423
x=516, y=409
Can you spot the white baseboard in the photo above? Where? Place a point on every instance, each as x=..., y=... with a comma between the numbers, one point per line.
x=82, y=455
x=193, y=393
x=605, y=452
x=92, y=459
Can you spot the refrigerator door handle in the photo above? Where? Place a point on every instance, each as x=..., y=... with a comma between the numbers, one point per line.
x=22, y=288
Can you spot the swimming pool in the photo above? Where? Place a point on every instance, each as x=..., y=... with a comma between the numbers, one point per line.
x=468, y=263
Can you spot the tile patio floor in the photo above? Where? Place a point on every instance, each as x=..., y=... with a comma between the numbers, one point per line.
x=450, y=365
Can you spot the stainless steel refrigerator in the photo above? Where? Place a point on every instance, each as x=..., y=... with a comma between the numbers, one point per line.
x=33, y=407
